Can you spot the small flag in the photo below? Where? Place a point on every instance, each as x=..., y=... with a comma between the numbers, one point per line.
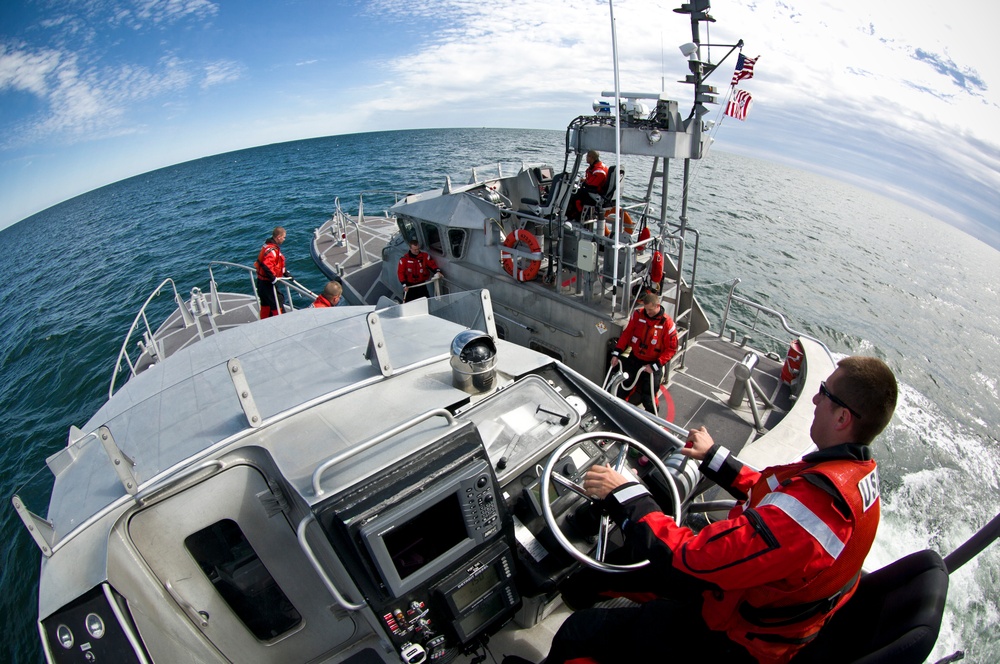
x=744, y=68
x=739, y=105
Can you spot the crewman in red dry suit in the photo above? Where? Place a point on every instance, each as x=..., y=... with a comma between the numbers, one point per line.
x=270, y=265
x=653, y=337
x=593, y=182
x=759, y=585
x=415, y=267
x=332, y=296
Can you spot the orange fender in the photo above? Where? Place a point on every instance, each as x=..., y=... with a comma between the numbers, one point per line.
x=656, y=269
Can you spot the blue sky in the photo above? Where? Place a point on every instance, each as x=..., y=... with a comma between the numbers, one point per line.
x=897, y=96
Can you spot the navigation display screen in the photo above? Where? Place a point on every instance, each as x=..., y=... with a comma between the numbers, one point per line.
x=429, y=534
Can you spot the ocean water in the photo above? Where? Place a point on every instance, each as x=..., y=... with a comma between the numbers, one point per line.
x=863, y=273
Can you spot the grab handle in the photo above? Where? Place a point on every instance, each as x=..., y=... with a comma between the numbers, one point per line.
x=345, y=603
x=317, y=475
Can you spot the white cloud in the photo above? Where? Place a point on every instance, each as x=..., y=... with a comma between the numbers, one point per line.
x=221, y=71
x=26, y=70
x=142, y=12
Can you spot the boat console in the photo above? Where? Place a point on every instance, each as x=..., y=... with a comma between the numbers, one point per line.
x=429, y=542
x=450, y=543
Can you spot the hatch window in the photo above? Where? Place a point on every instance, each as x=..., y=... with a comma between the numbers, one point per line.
x=233, y=567
x=456, y=240
x=407, y=229
x=433, y=236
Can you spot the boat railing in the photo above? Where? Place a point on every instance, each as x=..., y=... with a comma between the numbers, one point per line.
x=150, y=346
x=755, y=325
x=434, y=282
x=397, y=196
x=111, y=454
x=290, y=285
x=494, y=171
x=340, y=221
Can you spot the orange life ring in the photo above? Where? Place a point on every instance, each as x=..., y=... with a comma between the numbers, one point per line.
x=627, y=224
x=521, y=236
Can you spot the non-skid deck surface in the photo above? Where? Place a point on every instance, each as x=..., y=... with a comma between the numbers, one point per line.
x=374, y=234
x=700, y=391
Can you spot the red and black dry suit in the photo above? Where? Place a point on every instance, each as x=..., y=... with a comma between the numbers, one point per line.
x=270, y=265
x=415, y=270
x=773, y=573
x=654, y=341
x=594, y=181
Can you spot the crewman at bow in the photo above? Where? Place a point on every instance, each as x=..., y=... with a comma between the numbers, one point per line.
x=332, y=296
x=270, y=266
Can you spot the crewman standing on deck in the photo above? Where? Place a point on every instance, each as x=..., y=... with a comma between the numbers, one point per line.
x=270, y=266
x=653, y=337
x=415, y=268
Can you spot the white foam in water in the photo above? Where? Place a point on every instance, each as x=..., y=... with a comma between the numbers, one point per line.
x=939, y=506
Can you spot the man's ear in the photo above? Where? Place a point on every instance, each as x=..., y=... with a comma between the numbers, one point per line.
x=844, y=420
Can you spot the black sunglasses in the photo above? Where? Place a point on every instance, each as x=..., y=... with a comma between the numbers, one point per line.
x=829, y=395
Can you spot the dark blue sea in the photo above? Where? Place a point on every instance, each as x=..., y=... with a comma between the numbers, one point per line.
x=863, y=273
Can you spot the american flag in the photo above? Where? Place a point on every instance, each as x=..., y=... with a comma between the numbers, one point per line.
x=739, y=105
x=744, y=68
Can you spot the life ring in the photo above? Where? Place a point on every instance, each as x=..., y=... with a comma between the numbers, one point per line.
x=627, y=225
x=521, y=236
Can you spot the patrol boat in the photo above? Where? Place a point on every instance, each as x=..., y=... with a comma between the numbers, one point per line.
x=393, y=482
x=388, y=483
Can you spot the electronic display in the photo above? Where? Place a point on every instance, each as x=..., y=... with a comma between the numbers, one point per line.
x=482, y=614
x=426, y=536
x=475, y=588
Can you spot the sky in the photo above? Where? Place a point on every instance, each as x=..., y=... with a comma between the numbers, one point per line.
x=898, y=96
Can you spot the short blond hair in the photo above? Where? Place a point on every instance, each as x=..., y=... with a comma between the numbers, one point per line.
x=332, y=290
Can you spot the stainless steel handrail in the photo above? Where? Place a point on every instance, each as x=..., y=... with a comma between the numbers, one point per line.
x=300, y=532
x=762, y=309
x=144, y=494
x=215, y=309
x=317, y=475
x=123, y=353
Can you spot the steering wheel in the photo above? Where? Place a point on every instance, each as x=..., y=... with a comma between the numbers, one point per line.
x=597, y=560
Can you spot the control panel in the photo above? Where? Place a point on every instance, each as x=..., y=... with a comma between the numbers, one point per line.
x=430, y=625
x=481, y=506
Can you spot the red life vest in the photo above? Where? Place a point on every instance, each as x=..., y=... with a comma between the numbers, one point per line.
x=270, y=262
x=773, y=622
x=652, y=338
x=596, y=176
x=415, y=269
